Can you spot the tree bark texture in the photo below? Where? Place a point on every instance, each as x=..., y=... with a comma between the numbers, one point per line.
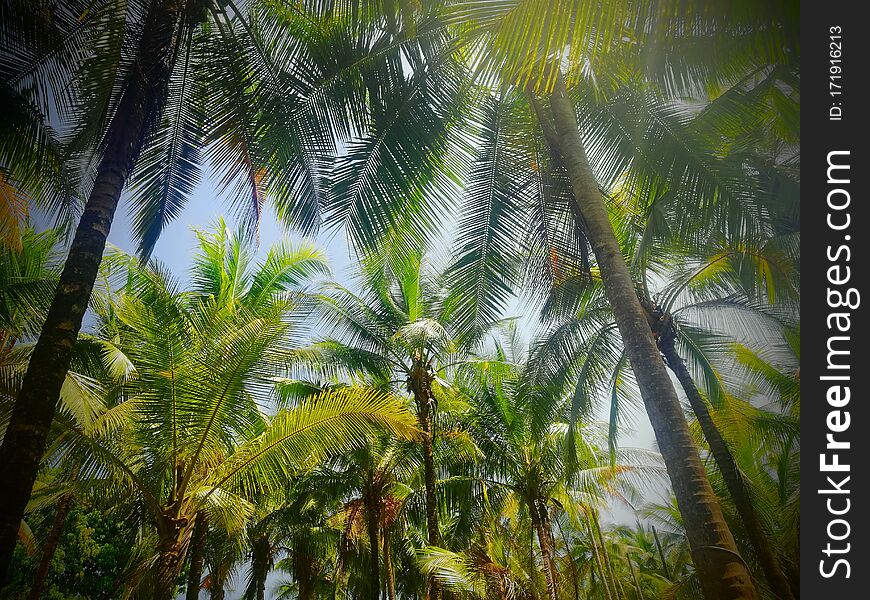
x=26, y=435
x=722, y=572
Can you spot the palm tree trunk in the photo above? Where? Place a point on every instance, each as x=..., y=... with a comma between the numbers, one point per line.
x=303, y=569
x=608, y=564
x=50, y=546
x=574, y=575
x=722, y=572
x=173, y=541
x=261, y=563
x=197, y=557
x=541, y=523
x=168, y=567
x=634, y=578
x=27, y=432
x=665, y=569
x=729, y=469
x=597, y=556
x=421, y=386
x=372, y=519
x=388, y=567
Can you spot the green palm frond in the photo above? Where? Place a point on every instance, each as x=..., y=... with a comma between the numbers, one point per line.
x=330, y=422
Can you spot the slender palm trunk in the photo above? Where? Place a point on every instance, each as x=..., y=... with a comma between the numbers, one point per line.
x=728, y=467
x=303, y=567
x=421, y=386
x=217, y=582
x=597, y=556
x=49, y=547
x=608, y=564
x=26, y=435
x=261, y=564
x=722, y=572
x=575, y=578
x=634, y=578
x=541, y=523
x=665, y=569
x=388, y=567
x=197, y=557
x=372, y=519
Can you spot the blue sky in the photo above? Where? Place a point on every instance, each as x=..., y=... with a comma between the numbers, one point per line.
x=177, y=243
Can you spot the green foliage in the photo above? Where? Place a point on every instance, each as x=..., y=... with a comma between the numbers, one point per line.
x=93, y=547
x=272, y=404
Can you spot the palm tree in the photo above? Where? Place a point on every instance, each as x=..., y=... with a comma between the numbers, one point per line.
x=137, y=110
x=526, y=453
x=190, y=436
x=30, y=271
x=763, y=435
x=372, y=486
x=513, y=42
x=141, y=92
x=688, y=320
x=398, y=326
x=197, y=556
x=528, y=176
x=302, y=526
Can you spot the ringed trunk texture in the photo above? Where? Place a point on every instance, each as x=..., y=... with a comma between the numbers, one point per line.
x=168, y=569
x=541, y=523
x=25, y=439
x=51, y=543
x=722, y=572
x=197, y=557
x=730, y=471
x=421, y=386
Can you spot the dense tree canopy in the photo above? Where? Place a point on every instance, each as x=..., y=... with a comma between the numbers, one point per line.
x=569, y=220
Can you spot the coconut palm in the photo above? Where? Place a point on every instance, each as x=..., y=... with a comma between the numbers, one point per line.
x=526, y=458
x=192, y=435
x=29, y=271
x=526, y=51
x=695, y=316
x=398, y=329
x=533, y=205
x=372, y=486
x=303, y=528
x=144, y=95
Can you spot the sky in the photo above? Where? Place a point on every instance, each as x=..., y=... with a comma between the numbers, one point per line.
x=206, y=205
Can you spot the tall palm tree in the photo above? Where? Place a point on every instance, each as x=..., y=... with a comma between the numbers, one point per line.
x=516, y=45
x=399, y=326
x=310, y=542
x=695, y=313
x=372, y=485
x=144, y=94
